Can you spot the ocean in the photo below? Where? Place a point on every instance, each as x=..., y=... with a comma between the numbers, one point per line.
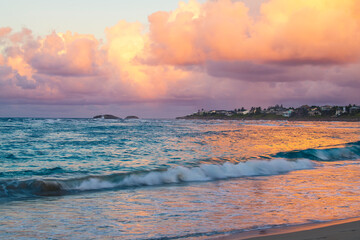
x=173, y=179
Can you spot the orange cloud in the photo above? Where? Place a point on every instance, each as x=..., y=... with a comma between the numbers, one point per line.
x=68, y=54
x=125, y=49
x=306, y=31
x=4, y=31
x=174, y=36
x=192, y=53
x=321, y=31
x=18, y=64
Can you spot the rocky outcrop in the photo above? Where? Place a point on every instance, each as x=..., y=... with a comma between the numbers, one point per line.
x=132, y=117
x=107, y=116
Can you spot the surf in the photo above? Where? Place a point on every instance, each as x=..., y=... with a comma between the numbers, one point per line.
x=178, y=174
x=350, y=151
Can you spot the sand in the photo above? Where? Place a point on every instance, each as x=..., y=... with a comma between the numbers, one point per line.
x=337, y=230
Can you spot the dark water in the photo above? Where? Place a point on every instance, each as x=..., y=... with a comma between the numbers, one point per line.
x=144, y=179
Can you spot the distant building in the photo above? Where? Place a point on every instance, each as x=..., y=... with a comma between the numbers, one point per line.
x=277, y=109
x=340, y=111
x=326, y=108
x=302, y=111
x=271, y=110
x=314, y=113
x=287, y=113
x=354, y=109
x=221, y=111
x=245, y=112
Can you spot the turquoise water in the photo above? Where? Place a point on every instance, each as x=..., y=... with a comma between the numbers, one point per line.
x=168, y=179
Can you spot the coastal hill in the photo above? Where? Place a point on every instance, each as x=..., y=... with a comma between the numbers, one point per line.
x=278, y=112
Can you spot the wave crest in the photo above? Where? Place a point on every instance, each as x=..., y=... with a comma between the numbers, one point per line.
x=351, y=151
x=205, y=172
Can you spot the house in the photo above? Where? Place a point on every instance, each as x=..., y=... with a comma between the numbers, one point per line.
x=340, y=110
x=221, y=111
x=287, y=113
x=326, y=108
x=245, y=112
x=354, y=109
x=277, y=109
x=314, y=113
x=270, y=110
x=302, y=111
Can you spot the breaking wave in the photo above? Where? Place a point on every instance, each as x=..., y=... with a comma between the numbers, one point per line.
x=350, y=151
x=179, y=174
x=283, y=162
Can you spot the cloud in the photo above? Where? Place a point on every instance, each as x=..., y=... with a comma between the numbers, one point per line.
x=126, y=47
x=73, y=67
x=4, y=31
x=247, y=71
x=215, y=53
x=19, y=37
x=68, y=54
x=287, y=32
x=39, y=69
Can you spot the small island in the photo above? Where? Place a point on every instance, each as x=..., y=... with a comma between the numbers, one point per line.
x=278, y=112
x=131, y=117
x=106, y=116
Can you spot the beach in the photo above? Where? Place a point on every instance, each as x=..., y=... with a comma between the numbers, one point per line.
x=336, y=230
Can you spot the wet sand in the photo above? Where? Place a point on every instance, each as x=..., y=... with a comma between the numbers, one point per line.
x=337, y=230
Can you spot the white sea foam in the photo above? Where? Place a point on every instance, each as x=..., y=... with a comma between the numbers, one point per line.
x=94, y=183
x=205, y=172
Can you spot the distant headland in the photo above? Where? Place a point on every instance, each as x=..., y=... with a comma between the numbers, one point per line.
x=350, y=112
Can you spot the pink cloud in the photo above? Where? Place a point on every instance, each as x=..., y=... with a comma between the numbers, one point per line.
x=21, y=36
x=68, y=55
x=4, y=31
x=213, y=53
x=293, y=32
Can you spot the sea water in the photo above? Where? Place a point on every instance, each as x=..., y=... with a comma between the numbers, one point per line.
x=171, y=179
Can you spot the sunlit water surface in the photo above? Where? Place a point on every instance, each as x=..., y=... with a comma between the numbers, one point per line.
x=164, y=179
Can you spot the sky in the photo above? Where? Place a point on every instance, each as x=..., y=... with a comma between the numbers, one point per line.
x=168, y=58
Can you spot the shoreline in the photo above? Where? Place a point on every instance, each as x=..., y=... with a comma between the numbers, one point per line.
x=274, y=119
x=334, y=230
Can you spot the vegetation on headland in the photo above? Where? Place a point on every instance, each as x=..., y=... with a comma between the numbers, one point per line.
x=350, y=112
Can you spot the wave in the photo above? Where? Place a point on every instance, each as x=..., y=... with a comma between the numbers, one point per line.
x=350, y=151
x=179, y=174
